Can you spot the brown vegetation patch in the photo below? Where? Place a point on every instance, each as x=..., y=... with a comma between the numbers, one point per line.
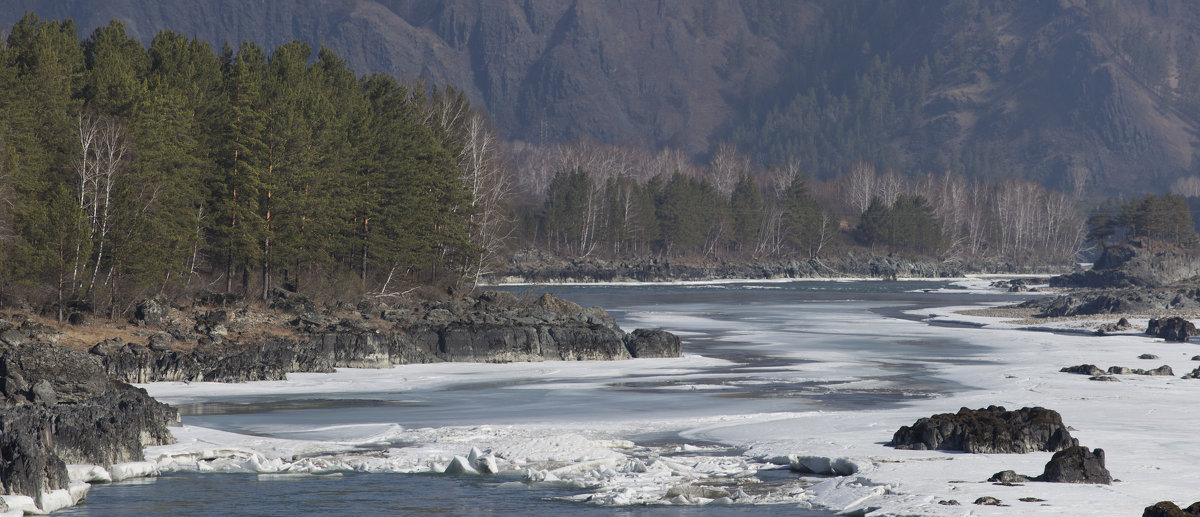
x=1028, y=316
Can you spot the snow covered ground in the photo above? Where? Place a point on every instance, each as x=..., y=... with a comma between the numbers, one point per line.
x=722, y=456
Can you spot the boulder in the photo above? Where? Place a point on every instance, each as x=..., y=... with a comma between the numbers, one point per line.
x=1148, y=356
x=1008, y=477
x=1161, y=370
x=1071, y=465
x=288, y=301
x=644, y=343
x=1174, y=328
x=1169, y=509
x=557, y=305
x=1084, y=369
x=160, y=341
x=1077, y=465
x=1125, y=370
x=150, y=312
x=988, y=430
x=494, y=300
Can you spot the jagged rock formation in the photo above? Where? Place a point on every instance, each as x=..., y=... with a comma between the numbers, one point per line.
x=989, y=430
x=1171, y=329
x=495, y=327
x=1133, y=264
x=1124, y=370
x=1170, y=509
x=1077, y=465
x=1071, y=465
x=1094, y=371
x=61, y=407
x=1117, y=301
x=644, y=343
x=1083, y=369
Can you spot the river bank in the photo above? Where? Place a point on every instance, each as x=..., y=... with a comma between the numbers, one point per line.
x=539, y=267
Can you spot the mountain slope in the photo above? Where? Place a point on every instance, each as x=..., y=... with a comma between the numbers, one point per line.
x=1088, y=95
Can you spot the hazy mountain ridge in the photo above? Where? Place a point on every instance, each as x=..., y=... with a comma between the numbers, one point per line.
x=1079, y=93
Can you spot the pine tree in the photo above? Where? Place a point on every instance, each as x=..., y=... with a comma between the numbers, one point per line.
x=116, y=65
x=746, y=207
x=801, y=219
x=240, y=224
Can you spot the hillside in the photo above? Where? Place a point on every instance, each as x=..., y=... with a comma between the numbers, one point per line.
x=1093, y=95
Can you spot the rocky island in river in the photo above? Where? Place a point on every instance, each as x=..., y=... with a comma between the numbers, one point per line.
x=70, y=416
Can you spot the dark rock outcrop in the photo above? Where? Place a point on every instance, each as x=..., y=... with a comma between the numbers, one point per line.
x=1084, y=369
x=1117, y=301
x=989, y=430
x=1123, y=370
x=988, y=500
x=1077, y=465
x=1008, y=477
x=1174, y=328
x=1071, y=465
x=643, y=343
x=495, y=327
x=61, y=408
x=1170, y=509
x=150, y=311
x=1134, y=264
x=1094, y=371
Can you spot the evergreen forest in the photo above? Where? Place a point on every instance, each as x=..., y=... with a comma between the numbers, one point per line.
x=127, y=171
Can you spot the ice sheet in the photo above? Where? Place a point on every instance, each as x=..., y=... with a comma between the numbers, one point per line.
x=1144, y=423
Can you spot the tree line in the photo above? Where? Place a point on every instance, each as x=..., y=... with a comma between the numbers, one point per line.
x=128, y=170
x=589, y=199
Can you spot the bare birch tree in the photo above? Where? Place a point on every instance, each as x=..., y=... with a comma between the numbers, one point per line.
x=1186, y=186
x=726, y=166
x=111, y=151
x=860, y=186
x=889, y=186
x=489, y=179
x=88, y=129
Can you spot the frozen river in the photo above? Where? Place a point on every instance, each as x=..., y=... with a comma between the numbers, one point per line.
x=816, y=372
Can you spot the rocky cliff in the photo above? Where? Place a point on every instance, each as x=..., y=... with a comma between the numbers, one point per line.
x=60, y=407
x=495, y=327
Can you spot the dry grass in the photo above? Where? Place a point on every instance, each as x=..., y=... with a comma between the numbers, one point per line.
x=1028, y=316
x=83, y=337
x=259, y=326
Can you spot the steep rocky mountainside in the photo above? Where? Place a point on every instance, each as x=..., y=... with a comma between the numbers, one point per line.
x=1087, y=94
x=623, y=71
